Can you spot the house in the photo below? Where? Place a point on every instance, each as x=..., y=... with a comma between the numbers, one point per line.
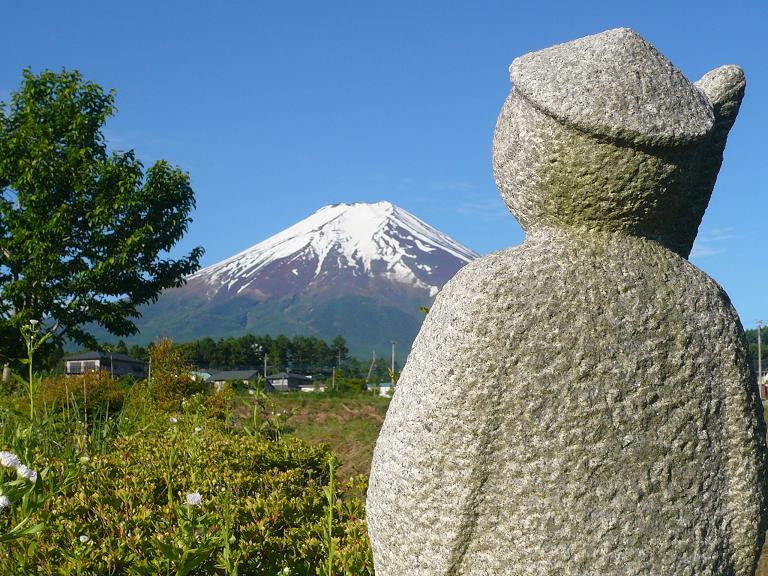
x=247, y=377
x=286, y=381
x=112, y=362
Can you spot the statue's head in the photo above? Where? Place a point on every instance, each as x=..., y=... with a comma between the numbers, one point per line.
x=605, y=133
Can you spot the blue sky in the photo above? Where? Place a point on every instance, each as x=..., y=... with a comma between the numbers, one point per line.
x=278, y=108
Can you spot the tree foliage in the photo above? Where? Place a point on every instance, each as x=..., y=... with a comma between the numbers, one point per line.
x=301, y=354
x=84, y=231
x=752, y=343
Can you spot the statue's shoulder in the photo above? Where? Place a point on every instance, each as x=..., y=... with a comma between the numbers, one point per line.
x=492, y=267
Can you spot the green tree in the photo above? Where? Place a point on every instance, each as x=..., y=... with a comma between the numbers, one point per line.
x=84, y=232
x=752, y=343
x=339, y=350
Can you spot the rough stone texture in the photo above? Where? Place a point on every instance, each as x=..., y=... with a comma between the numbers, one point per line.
x=582, y=404
x=625, y=89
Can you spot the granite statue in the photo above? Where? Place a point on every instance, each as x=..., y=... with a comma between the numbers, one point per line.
x=583, y=403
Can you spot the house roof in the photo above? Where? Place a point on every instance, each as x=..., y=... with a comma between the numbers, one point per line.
x=226, y=375
x=288, y=375
x=94, y=355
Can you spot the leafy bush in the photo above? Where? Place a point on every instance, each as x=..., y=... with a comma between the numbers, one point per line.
x=344, y=385
x=172, y=379
x=92, y=392
x=183, y=493
x=220, y=401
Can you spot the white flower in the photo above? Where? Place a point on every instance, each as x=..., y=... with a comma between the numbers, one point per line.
x=26, y=473
x=85, y=458
x=251, y=391
x=173, y=420
x=33, y=322
x=198, y=429
x=4, y=502
x=9, y=460
x=194, y=499
x=83, y=538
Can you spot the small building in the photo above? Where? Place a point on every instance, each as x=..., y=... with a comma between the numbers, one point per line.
x=114, y=363
x=247, y=377
x=287, y=381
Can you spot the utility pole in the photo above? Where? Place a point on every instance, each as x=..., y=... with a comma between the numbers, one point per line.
x=259, y=349
x=370, y=369
x=337, y=367
x=759, y=358
x=392, y=370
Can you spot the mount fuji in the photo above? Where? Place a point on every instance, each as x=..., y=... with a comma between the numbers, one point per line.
x=357, y=270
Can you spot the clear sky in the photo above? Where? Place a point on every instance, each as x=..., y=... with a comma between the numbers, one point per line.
x=278, y=108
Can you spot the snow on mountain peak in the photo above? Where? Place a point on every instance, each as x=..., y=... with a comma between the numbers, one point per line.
x=378, y=239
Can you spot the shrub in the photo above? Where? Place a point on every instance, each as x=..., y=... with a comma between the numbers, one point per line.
x=92, y=392
x=172, y=379
x=219, y=402
x=190, y=492
x=344, y=385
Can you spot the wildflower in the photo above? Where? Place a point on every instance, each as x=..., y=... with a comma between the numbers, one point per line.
x=173, y=420
x=198, y=429
x=85, y=458
x=33, y=322
x=84, y=538
x=251, y=391
x=4, y=502
x=194, y=499
x=9, y=460
x=26, y=473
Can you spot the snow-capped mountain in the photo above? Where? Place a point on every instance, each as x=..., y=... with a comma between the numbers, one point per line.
x=349, y=242
x=361, y=271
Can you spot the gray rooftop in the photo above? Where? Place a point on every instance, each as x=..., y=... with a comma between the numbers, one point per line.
x=227, y=375
x=95, y=355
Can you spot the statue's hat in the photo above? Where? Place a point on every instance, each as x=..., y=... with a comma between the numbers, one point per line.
x=616, y=85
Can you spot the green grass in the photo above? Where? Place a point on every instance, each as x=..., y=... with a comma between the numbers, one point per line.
x=348, y=424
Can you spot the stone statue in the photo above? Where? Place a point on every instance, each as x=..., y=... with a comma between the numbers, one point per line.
x=582, y=404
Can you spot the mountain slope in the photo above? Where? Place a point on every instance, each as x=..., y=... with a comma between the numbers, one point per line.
x=359, y=270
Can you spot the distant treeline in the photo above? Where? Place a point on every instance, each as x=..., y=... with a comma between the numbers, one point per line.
x=300, y=354
x=311, y=355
